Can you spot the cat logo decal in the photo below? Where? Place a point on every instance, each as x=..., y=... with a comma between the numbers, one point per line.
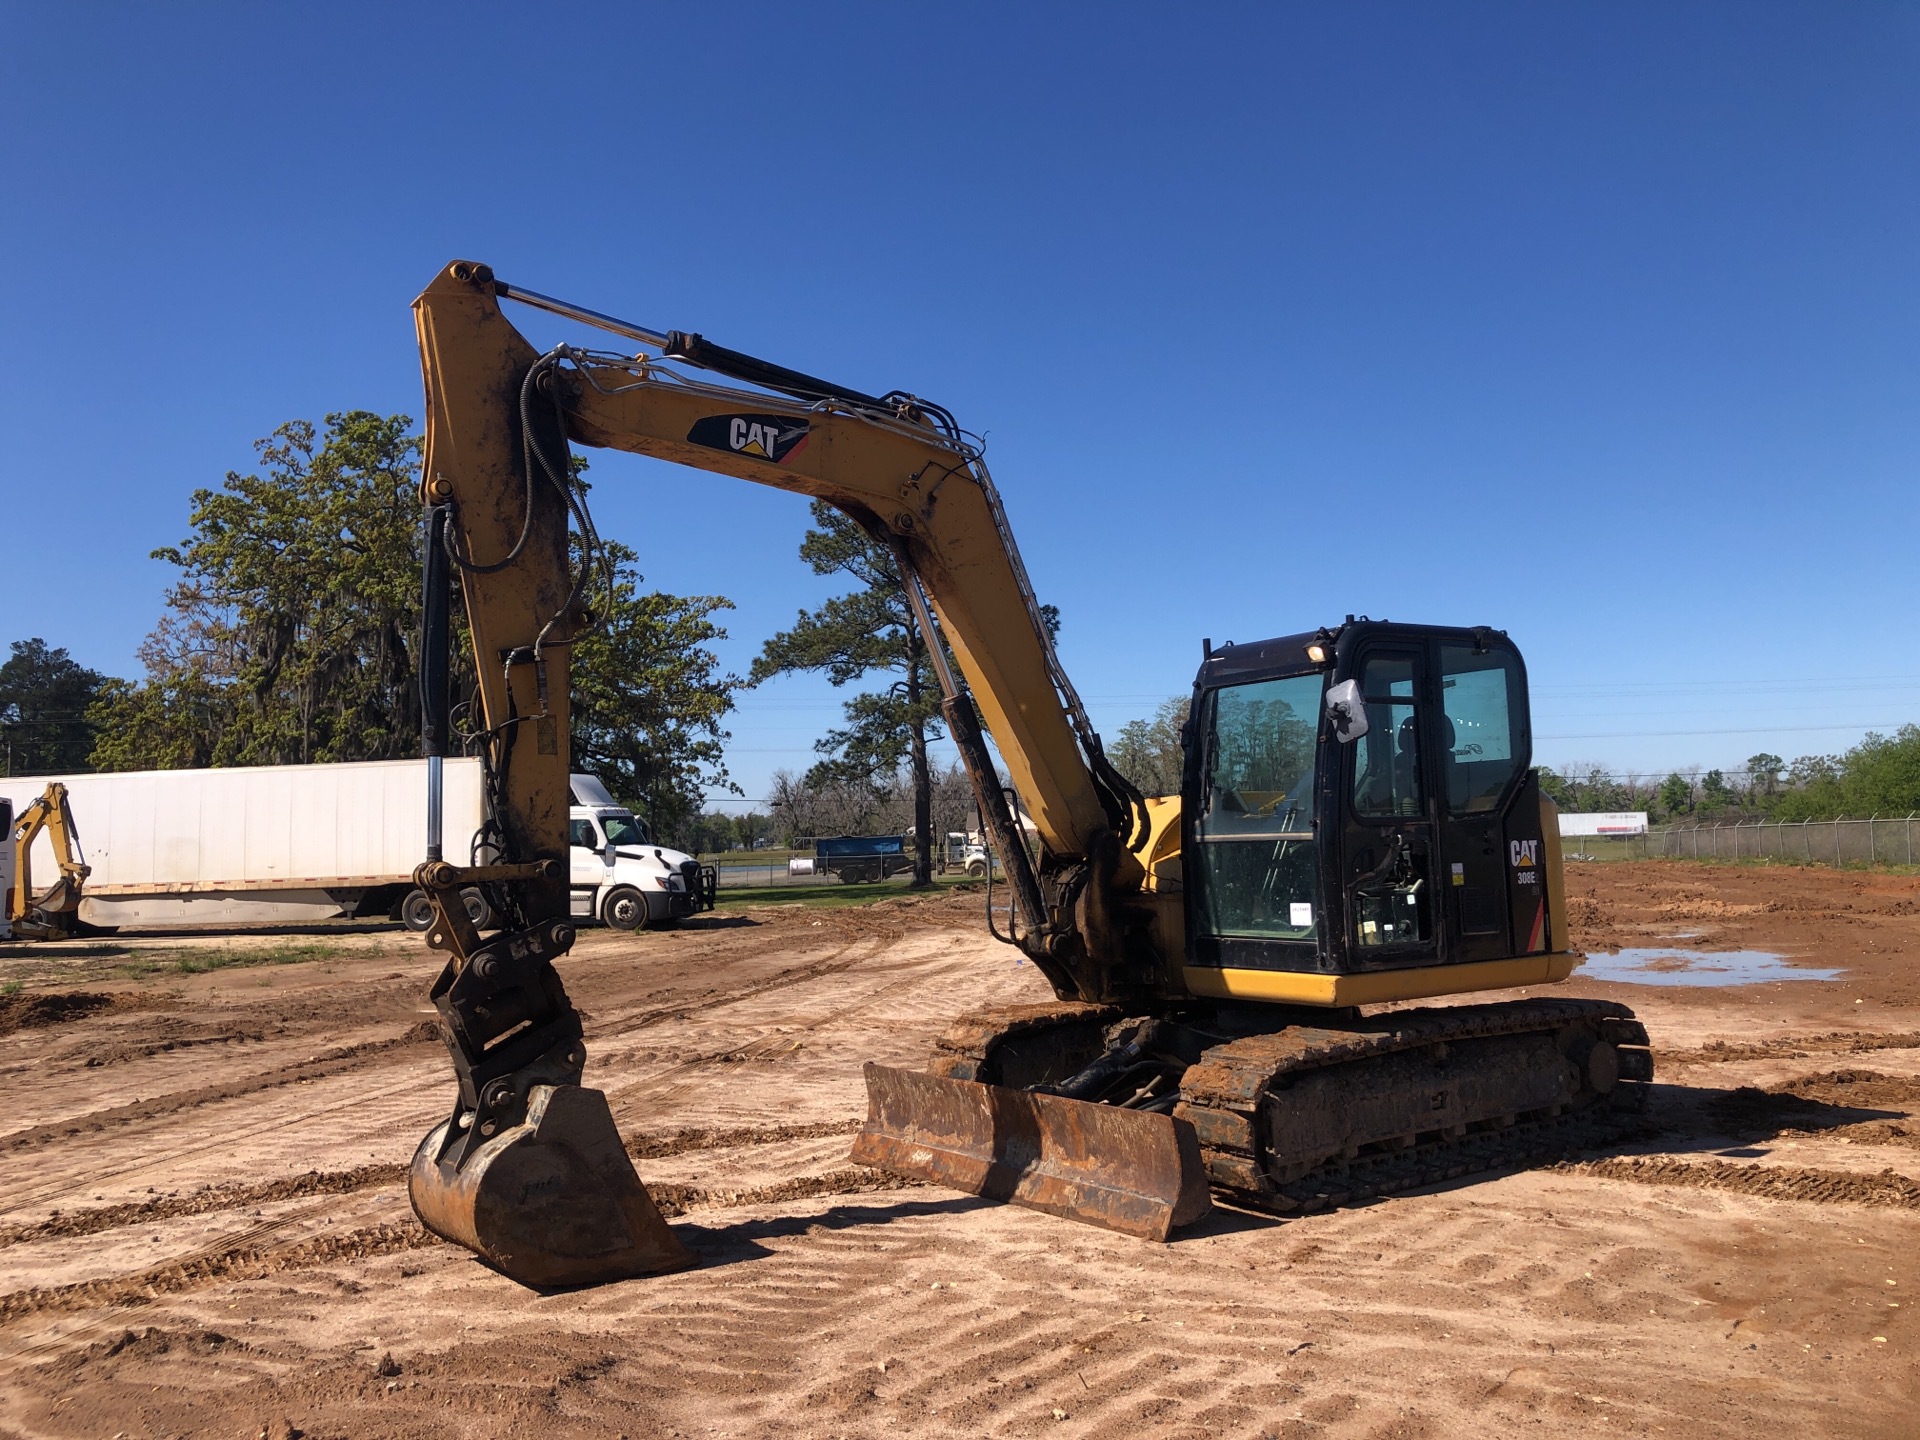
x=764, y=437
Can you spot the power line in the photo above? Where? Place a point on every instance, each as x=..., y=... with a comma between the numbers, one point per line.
x=1756, y=730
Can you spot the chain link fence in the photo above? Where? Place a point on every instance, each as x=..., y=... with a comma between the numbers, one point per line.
x=1877, y=840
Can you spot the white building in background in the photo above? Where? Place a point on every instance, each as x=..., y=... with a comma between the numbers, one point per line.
x=1612, y=822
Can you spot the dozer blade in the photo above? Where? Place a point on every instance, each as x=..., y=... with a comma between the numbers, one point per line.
x=1127, y=1170
x=553, y=1201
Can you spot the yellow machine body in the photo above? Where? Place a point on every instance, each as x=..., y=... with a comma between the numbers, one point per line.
x=1111, y=900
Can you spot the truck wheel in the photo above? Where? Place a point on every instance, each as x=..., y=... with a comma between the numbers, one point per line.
x=478, y=910
x=416, y=912
x=977, y=869
x=626, y=909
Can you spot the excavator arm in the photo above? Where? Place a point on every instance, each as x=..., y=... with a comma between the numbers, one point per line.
x=50, y=914
x=499, y=417
x=528, y=1171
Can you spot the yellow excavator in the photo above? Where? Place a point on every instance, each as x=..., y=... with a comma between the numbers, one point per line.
x=54, y=913
x=1358, y=827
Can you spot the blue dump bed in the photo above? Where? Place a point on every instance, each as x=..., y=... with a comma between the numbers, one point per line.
x=847, y=847
x=861, y=857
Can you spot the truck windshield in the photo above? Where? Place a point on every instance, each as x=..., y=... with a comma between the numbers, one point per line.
x=625, y=830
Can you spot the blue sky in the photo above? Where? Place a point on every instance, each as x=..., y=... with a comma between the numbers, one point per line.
x=1595, y=322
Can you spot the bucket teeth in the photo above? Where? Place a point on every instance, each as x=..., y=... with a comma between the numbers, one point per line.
x=551, y=1202
x=1126, y=1170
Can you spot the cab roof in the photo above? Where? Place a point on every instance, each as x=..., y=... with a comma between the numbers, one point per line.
x=1287, y=654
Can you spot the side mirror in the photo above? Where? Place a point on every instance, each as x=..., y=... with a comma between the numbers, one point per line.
x=607, y=854
x=1347, y=709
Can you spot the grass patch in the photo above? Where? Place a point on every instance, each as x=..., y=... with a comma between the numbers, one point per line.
x=835, y=895
x=199, y=962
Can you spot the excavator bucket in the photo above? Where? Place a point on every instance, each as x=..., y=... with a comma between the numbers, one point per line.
x=1126, y=1170
x=551, y=1202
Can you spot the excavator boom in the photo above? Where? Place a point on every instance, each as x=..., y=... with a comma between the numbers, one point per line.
x=500, y=501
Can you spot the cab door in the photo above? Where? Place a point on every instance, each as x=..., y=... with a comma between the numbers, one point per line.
x=1492, y=861
x=1388, y=855
x=586, y=867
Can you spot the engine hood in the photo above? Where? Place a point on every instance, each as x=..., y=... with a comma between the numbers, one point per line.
x=653, y=855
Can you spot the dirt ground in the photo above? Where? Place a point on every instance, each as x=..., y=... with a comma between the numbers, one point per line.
x=204, y=1227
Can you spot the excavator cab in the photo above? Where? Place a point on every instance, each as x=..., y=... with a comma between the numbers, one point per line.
x=1361, y=801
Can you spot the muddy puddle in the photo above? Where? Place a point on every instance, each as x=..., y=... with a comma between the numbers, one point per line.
x=1668, y=965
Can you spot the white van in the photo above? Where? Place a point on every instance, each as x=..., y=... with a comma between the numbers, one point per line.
x=619, y=875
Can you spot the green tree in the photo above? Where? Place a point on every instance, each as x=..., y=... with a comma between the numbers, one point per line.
x=649, y=698
x=1676, y=795
x=291, y=635
x=1882, y=774
x=1150, y=752
x=869, y=630
x=296, y=612
x=1555, y=787
x=1879, y=776
x=45, y=695
x=1715, y=793
x=1763, y=772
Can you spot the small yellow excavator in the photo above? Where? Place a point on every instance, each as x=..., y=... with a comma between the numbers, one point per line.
x=1358, y=828
x=54, y=914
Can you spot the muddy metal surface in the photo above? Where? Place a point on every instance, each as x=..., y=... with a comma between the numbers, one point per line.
x=204, y=1229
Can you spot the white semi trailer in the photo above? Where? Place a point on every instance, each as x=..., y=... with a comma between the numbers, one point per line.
x=280, y=843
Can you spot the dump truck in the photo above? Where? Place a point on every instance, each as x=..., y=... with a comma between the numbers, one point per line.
x=860, y=858
x=1236, y=970
x=280, y=844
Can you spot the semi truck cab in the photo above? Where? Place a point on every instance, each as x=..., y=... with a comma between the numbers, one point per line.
x=618, y=874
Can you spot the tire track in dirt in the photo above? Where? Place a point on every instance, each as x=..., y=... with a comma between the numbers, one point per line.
x=235, y=1263
x=765, y=1046
x=968, y=1342
x=242, y=1256
x=335, y=1062
x=870, y=938
x=320, y=1067
x=1790, y=1047
x=367, y=1177
x=1889, y=1188
x=226, y=1140
x=692, y=1006
x=202, y=1202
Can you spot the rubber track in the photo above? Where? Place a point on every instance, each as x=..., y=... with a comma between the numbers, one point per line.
x=1221, y=1096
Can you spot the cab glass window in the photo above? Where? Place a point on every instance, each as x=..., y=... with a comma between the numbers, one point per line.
x=1386, y=764
x=625, y=830
x=581, y=833
x=1255, y=824
x=1482, y=745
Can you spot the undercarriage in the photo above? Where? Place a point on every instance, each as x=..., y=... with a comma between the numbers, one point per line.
x=1296, y=1110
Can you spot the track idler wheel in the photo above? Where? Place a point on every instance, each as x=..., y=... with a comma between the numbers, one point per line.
x=551, y=1202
